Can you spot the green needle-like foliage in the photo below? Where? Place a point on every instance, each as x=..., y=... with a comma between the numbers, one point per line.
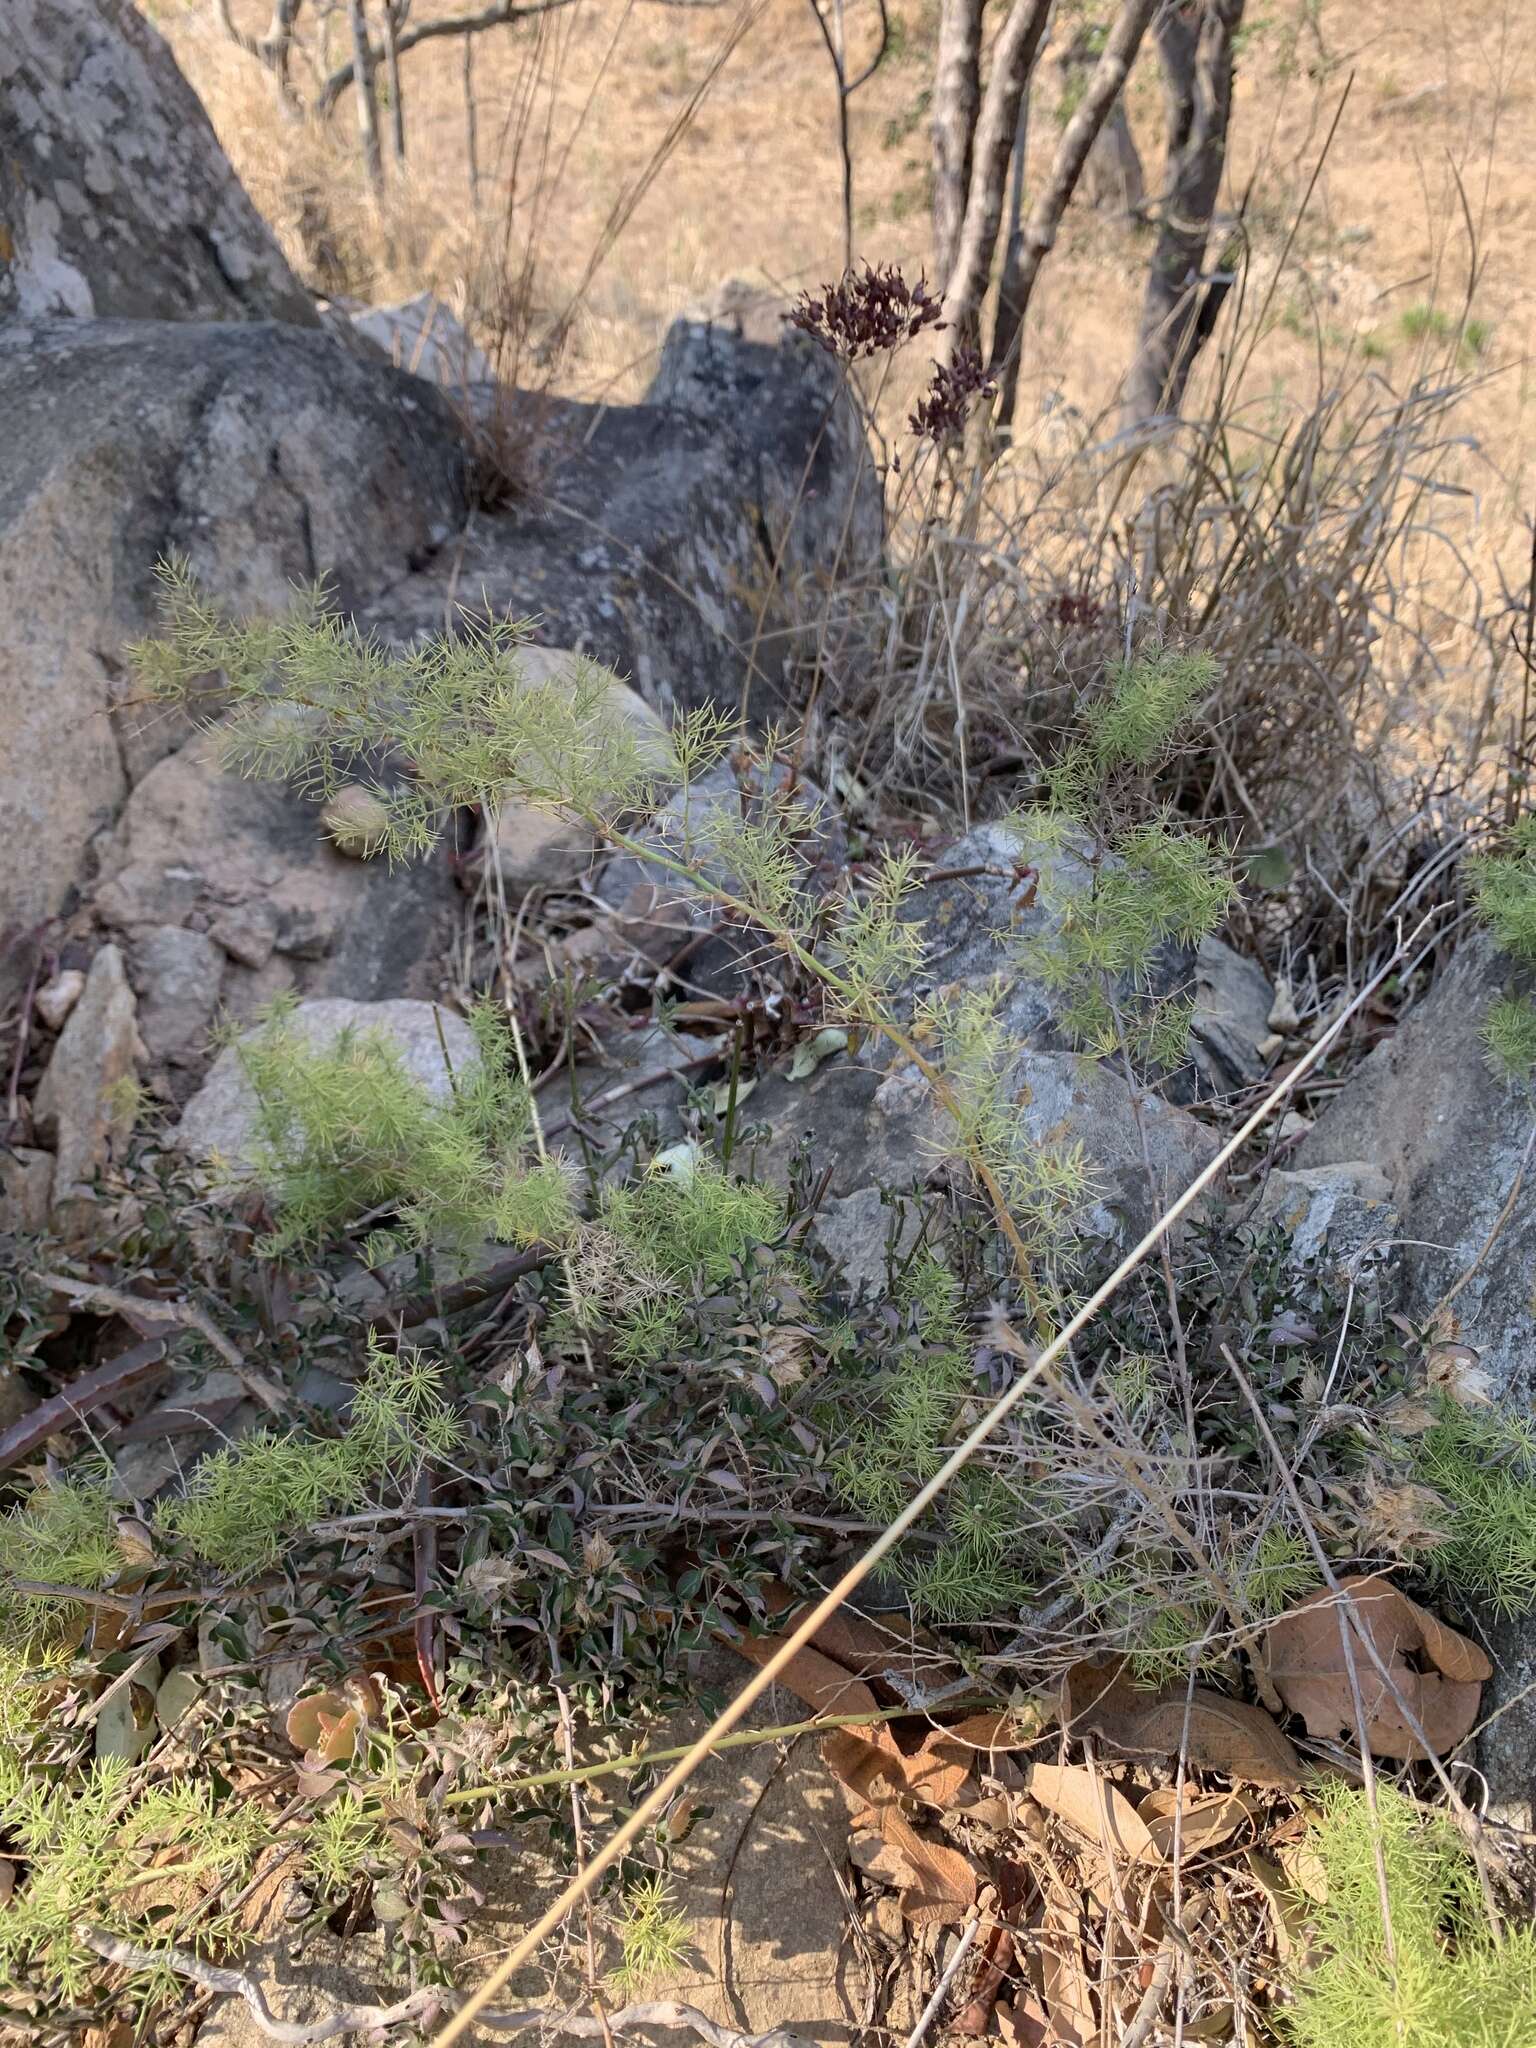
x=1509, y=1032
x=1045, y=1186
x=1505, y=887
x=245, y=1504
x=654, y=1938
x=90, y=1844
x=343, y=1129
x=1482, y=1462
x=310, y=701
x=1444, y=1981
x=63, y=1536
x=342, y=1844
x=695, y=1223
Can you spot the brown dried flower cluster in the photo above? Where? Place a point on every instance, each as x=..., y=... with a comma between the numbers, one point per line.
x=942, y=409
x=867, y=313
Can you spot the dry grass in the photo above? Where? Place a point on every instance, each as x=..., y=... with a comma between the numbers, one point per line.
x=1341, y=518
x=629, y=160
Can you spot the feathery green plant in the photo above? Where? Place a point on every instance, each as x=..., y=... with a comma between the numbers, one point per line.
x=1444, y=1980
x=243, y=1505
x=1045, y=1186
x=1134, y=888
x=63, y=1535
x=311, y=701
x=342, y=1843
x=1509, y=1033
x=653, y=1938
x=1482, y=1462
x=90, y=1845
x=1504, y=886
x=973, y=1572
x=343, y=1128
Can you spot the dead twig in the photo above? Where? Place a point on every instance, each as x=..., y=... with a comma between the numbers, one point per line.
x=86, y=1393
x=931, y=2010
x=361, y=2019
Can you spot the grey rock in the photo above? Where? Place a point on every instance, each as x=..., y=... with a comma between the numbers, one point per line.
x=530, y=849
x=978, y=925
x=26, y=1189
x=263, y=454
x=247, y=932
x=1230, y=1022
x=886, y=1132
x=117, y=199
x=657, y=525
x=219, y=1121
x=1506, y=1749
x=641, y=890
x=85, y=1100
x=1341, y=1222
x=58, y=996
x=1450, y=1136
x=250, y=860
x=177, y=974
x=422, y=336
x=1071, y=1101
x=856, y=1231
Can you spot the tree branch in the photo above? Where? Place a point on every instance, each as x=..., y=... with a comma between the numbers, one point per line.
x=1013, y=59
x=360, y=2019
x=1078, y=138
x=500, y=14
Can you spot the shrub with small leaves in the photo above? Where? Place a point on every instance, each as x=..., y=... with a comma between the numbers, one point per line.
x=1481, y=1461
x=1438, y=1977
x=653, y=1936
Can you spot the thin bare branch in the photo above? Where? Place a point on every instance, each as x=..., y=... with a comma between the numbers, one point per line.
x=1078, y=138
x=500, y=14
x=1013, y=59
x=363, y=2019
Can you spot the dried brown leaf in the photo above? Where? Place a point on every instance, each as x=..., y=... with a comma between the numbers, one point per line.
x=1092, y=1808
x=1024, y=2024
x=940, y=1885
x=1210, y=1818
x=1068, y=1979
x=1304, y=1653
x=811, y=1675
x=324, y=1727
x=1401, y=1517
x=1458, y=1370
x=1217, y=1734
x=1288, y=1914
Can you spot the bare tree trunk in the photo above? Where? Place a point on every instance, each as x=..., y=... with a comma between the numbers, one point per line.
x=1113, y=177
x=274, y=49
x=1013, y=59
x=1006, y=344
x=1179, y=310
x=471, y=125
x=395, y=12
x=956, y=100
x=1103, y=90
x=367, y=99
